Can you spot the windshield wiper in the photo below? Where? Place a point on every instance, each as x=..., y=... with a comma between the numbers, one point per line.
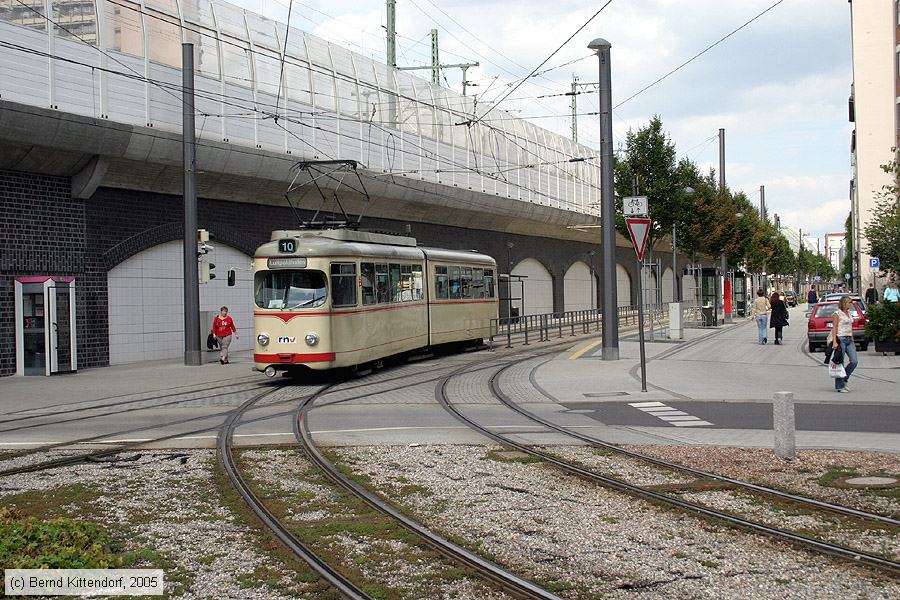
x=316, y=299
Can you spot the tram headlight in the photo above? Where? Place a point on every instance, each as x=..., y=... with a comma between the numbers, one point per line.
x=263, y=339
x=312, y=339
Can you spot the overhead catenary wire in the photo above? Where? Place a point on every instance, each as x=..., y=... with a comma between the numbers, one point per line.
x=698, y=55
x=543, y=62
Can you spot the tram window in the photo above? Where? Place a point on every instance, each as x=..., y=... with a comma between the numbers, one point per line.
x=441, y=283
x=395, y=282
x=406, y=284
x=343, y=284
x=488, y=283
x=367, y=273
x=418, y=283
x=478, y=283
x=454, y=283
x=382, y=286
x=466, y=282
x=290, y=289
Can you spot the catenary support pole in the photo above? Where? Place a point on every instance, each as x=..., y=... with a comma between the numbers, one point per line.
x=191, y=279
x=435, y=59
x=391, y=32
x=610, y=342
x=726, y=310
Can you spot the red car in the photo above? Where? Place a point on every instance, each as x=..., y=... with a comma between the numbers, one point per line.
x=822, y=320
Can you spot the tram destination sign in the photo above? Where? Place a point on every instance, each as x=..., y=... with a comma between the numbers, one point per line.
x=287, y=262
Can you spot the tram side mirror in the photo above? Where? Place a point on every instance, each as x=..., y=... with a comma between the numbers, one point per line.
x=231, y=277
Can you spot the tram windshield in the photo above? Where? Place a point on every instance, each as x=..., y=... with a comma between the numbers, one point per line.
x=290, y=289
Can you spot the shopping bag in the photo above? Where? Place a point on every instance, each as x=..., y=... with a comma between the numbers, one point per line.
x=836, y=370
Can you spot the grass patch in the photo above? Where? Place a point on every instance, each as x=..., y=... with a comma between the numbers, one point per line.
x=709, y=564
x=27, y=542
x=504, y=456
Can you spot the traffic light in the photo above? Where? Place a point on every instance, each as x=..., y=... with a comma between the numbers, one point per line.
x=231, y=277
x=206, y=271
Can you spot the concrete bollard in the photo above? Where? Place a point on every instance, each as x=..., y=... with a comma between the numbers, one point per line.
x=783, y=417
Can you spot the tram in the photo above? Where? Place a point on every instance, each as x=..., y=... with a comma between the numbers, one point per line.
x=334, y=298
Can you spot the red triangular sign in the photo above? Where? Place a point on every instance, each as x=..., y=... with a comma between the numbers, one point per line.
x=638, y=229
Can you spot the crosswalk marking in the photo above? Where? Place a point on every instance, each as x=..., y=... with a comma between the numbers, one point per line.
x=670, y=415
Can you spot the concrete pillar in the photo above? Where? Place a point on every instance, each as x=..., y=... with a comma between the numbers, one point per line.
x=783, y=418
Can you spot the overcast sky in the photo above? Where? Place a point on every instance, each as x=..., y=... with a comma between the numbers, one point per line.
x=779, y=86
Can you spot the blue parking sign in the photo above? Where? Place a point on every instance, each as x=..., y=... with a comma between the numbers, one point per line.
x=874, y=263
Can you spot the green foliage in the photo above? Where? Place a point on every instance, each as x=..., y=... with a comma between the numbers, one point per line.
x=883, y=321
x=883, y=231
x=650, y=155
x=847, y=265
x=30, y=543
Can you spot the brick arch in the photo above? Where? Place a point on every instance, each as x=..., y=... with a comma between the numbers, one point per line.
x=173, y=232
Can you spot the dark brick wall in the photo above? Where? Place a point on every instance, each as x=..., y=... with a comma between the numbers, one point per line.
x=47, y=232
x=42, y=232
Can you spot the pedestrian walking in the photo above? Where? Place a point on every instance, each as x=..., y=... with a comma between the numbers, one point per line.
x=223, y=327
x=811, y=296
x=843, y=340
x=891, y=293
x=871, y=295
x=760, y=311
x=779, y=318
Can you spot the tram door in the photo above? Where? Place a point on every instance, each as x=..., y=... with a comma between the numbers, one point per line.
x=45, y=325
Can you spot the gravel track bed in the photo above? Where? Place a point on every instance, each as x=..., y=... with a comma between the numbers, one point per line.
x=397, y=564
x=804, y=475
x=590, y=542
x=169, y=501
x=619, y=466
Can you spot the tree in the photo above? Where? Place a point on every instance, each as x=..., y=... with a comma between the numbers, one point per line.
x=649, y=155
x=847, y=265
x=883, y=231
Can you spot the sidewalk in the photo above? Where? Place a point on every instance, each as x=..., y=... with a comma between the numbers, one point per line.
x=723, y=365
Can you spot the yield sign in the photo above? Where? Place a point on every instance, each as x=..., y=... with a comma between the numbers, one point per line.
x=638, y=228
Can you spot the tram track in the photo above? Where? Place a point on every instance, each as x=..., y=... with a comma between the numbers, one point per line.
x=504, y=580
x=224, y=448
x=821, y=546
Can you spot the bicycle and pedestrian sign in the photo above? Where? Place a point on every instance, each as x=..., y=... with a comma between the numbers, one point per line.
x=635, y=206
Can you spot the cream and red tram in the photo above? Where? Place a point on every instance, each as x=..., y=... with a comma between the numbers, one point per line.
x=338, y=298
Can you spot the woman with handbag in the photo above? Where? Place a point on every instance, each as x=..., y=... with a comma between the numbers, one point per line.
x=760, y=311
x=779, y=319
x=222, y=328
x=843, y=340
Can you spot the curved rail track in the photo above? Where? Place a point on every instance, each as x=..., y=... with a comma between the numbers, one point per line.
x=226, y=458
x=858, y=557
x=509, y=583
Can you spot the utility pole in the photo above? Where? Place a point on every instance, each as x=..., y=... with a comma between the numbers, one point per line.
x=435, y=61
x=576, y=84
x=191, y=279
x=574, y=108
x=391, y=28
x=762, y=204
x=725, y=316
x=610, y=343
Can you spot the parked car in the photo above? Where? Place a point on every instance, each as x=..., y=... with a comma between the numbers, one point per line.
x=789, y=297
x=822, y=320
x=838, y=295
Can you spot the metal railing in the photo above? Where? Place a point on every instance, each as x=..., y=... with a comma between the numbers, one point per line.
x=543, y=326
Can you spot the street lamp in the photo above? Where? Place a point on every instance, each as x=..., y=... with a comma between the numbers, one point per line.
x=593, y=280
x=610, y=341
x=675, y=296
x=509, y=247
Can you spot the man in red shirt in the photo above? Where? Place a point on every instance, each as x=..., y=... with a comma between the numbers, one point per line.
x=222, y=328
